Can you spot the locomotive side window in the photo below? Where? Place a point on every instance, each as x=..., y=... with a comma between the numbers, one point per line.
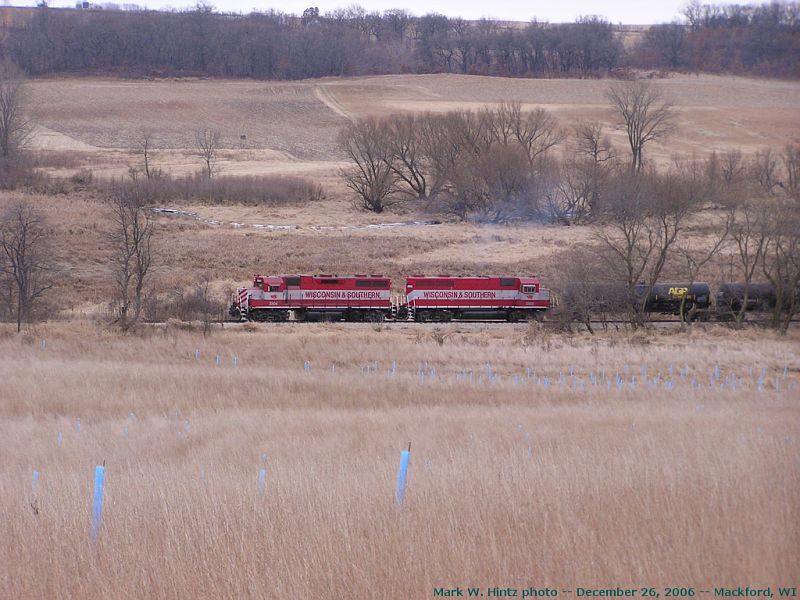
x=528, y=289
x=273, y=288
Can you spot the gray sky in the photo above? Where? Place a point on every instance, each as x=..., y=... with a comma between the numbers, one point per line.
x=554, y=11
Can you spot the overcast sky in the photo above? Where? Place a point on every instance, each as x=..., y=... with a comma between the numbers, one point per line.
x=554, y=11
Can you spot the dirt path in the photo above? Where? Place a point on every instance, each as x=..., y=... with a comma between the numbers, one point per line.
x=324, y=94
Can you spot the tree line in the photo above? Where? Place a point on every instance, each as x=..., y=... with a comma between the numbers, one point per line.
x=273, y=45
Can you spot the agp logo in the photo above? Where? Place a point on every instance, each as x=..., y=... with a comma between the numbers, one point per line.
x=678, y=292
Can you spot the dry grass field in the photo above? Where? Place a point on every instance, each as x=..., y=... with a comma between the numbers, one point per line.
x=289, y=124
x=649, y=458
x=511, y=483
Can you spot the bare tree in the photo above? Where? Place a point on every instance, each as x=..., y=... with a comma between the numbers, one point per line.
x=368, y=145
x=131, y=239
x=409, y=162
x=27, y=258
x=15, y=126
x=574, y=190
x=644, y=113
x=643, y=218
x=145, y=147
x=207, y=144
x=749, y=232
x=697, y=255
x=781, y=262
x=764, y=168
x=592, y=143
x=536, y=131
x=791, y=168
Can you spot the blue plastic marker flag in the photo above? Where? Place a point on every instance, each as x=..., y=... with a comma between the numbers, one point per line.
x=262, y=481
x=97, y=500
x=59, y=439
x=78, y=424
x=785, y=372
x=402, y=474
x=35, y=482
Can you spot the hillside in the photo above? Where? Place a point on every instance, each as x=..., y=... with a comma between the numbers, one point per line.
x=292, y=127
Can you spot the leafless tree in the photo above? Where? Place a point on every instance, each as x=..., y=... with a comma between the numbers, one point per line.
x=644, y=214
x=574, y=189
x=764, y=168
x=15, y=126
x=207, y=144
x=536, y=131
x=409, y=161
x=144, y=144
x=791, y=168
x=592, y=143
x=368, y=145
x=644, y=113
x=749, y=232
x=132, y=253
x=696, y=256
x=27, y=262
x=781, y=262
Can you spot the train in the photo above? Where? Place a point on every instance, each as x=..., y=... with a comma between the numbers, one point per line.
x=441, y=298
x=444, y=298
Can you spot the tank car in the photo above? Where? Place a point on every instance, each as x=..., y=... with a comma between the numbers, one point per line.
x=732, y=298
x=693, y=299
x=586, y=301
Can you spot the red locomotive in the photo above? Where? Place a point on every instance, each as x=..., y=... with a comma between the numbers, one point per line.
x=368, y=298
x=445, y=298
x=314, y=298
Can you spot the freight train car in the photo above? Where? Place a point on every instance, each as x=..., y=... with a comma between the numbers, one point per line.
x=672, y=298
x=603, y=300
x=736, y=298
x=314, y=298
x=445, y=298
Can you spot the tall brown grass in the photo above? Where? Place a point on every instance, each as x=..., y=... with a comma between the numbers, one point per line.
x=634, y=487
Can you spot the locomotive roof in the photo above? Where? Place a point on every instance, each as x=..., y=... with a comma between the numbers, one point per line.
x=525, y=279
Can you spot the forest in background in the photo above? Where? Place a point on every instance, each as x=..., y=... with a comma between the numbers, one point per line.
x=761, y=40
